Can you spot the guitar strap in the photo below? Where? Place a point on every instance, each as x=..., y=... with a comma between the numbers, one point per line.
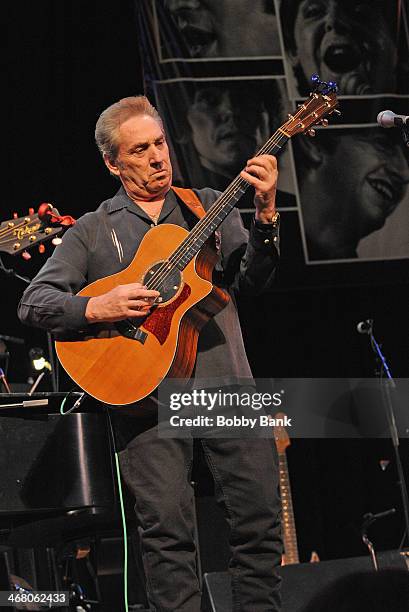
x=190, y=199
x=192, y=202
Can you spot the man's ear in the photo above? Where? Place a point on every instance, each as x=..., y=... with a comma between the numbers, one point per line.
x=311, y=150
x=111, y=165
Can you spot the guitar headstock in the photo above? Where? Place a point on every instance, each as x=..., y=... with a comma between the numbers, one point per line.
x=281, y=436
x=21, y=233
x=321, y=103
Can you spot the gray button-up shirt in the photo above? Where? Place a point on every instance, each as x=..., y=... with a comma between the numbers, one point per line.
x=104, y=242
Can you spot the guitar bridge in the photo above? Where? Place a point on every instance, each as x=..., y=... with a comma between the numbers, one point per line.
x=129, y=330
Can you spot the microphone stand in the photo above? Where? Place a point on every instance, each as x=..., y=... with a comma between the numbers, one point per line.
x=54, y=379
x=368, y=520
x=386, y=387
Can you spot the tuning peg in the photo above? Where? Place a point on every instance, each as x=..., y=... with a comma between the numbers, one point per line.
x=41, y=248
x=56, y=241
x=311, y=133
x=323, y=87
x=26, y=255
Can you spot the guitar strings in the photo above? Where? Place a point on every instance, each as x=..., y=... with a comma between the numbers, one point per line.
x=203, y=225
x=164, y=270
x=10, y=230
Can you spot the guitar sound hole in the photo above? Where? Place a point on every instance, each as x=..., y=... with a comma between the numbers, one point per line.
x=169, y=286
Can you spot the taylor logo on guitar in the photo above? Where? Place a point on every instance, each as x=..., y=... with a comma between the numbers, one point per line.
x=22, y=233
x=179, y=265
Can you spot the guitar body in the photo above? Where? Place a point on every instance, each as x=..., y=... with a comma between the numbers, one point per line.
x=119, y=368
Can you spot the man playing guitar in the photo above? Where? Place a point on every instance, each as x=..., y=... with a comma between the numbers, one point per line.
x=132, y=141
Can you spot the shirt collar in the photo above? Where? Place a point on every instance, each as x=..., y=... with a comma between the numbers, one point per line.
x=119, y=201
x=122, y=200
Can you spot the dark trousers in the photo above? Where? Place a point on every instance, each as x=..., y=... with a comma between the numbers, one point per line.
x=157, y=471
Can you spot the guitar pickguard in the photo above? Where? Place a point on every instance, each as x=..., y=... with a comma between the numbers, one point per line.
x=159, y=321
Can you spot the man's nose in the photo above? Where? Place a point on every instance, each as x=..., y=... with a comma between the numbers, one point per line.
x=225, y=112
x=156, y=156
x=336, y=18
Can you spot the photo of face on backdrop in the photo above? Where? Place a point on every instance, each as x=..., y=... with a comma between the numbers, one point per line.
x=353, y=183
x=220, y=125
x=359, y=44
x=348, y=185
x=212, y=29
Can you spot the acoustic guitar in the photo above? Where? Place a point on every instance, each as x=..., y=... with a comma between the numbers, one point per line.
x=178, y=264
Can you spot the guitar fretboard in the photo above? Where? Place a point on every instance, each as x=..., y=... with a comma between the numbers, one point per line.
x=288, y=523
x=216, y=214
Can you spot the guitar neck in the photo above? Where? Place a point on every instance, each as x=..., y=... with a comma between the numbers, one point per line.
x=320, y=103
x=288, y=525
x=222, y=206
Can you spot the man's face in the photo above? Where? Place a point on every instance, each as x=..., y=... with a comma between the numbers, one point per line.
x=363, y=179
x=228, y=28
x=346, y=41
x=225, y=134
x=143, y=163
x=197, y=24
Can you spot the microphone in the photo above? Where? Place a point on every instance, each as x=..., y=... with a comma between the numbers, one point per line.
x=365, y=327
x=370, y=518
x=388, y=119
x=12, y=339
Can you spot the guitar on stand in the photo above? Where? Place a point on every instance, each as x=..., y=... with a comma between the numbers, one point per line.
x=289, y=533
